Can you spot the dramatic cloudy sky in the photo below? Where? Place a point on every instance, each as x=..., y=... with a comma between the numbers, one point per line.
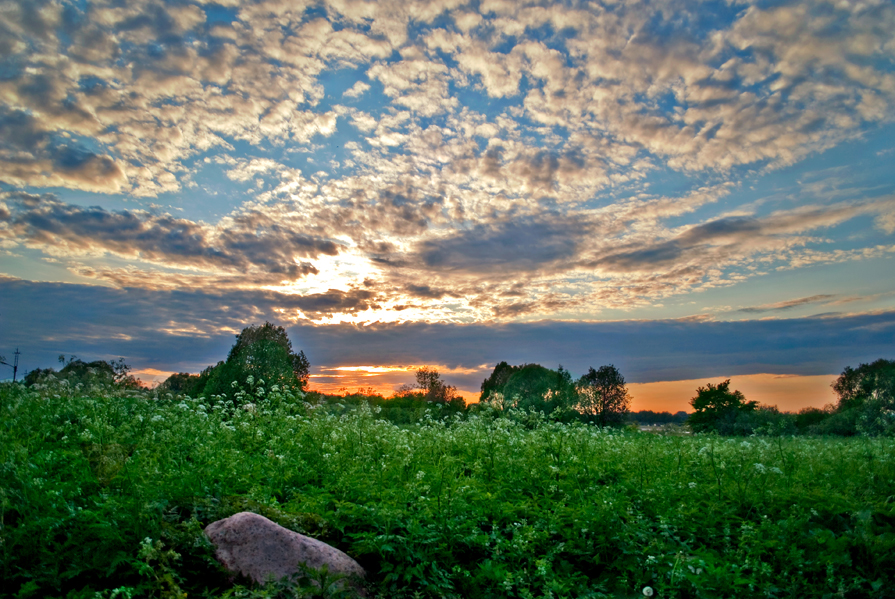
x=684, y=189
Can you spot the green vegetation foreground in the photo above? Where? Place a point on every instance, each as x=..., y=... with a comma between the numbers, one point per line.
x=104, y=493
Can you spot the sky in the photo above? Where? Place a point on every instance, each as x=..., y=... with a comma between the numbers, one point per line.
x=689, y=191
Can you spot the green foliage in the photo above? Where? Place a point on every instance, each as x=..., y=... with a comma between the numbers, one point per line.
x=531, y=388
x=496, y=381
x=763, y=420
x=652, y=417
x=263, y=353
x=600, y=396
x=406, y=407
x=875, y=381
x=105, y=494
x=78, y=372
x=866, y=400
x=603, y=396
x=808, y=419
x=184, y=383
x=716, y=408
x=308, y=583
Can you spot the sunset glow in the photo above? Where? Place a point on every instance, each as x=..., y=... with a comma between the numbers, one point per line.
x=790, y=393
x=786, y=392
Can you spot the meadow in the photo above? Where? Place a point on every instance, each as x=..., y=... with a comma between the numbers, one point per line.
x=104, y=493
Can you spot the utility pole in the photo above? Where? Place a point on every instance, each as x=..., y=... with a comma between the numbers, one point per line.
x=14, y=365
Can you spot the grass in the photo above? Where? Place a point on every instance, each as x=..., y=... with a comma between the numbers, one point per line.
x=104, y=493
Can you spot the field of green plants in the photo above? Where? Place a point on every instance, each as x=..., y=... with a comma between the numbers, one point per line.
x=105, y=492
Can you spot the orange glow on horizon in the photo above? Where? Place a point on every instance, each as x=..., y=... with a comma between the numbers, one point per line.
x=384, y=389
x=385, y=379
x=151, y=377
x=789, y=392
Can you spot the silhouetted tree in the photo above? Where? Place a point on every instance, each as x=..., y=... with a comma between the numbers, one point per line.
x=808, y=418
x=866, y=400
x=432, y=388
x=98, y=372
x=38, y=374
x=715, y=405
x=429, y=381
x=603, y=396
x=184, y=383
x=868, y=381
x=651, y=417
x=497, y=380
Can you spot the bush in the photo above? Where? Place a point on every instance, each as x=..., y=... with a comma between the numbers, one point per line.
x=763, y=420
x=808, y=419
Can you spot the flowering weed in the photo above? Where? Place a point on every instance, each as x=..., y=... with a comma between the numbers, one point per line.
x=105, y=492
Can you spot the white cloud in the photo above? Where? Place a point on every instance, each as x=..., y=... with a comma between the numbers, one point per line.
x=357, y=90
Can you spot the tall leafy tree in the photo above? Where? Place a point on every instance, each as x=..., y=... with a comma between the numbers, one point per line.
x=265, y=353
x=866, y=400
x=533, y=386
x=715, y=405
x=603, y=396
x=496, y=381
x=868, y=381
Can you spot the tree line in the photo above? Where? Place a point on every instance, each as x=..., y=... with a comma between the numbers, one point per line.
x=865, y=405
x=600, y=396
x=262, y=357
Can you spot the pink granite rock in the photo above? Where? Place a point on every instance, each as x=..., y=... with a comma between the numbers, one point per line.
x=255, y=547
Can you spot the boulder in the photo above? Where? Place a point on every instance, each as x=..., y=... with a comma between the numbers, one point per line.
x=260, y=549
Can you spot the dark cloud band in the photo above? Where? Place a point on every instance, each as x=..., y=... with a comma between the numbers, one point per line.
x=181, y=330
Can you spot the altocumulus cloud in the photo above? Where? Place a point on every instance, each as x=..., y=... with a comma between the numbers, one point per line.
x=445, y=161
x=249, y=243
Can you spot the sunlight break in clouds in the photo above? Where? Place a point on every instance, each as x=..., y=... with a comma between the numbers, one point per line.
x=454, y=162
